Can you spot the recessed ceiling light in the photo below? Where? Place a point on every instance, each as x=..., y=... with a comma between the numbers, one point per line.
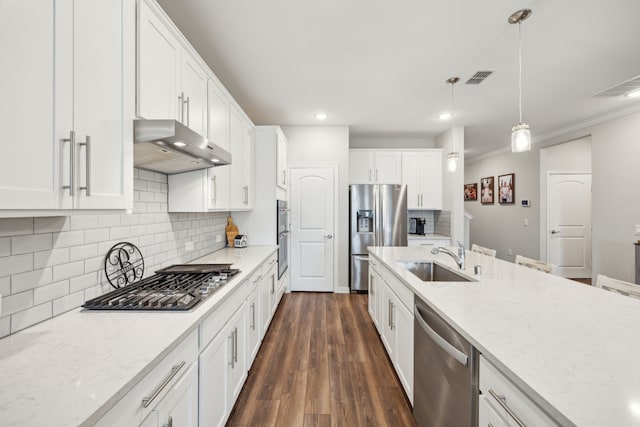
x=214, y=160
x=634, y=94
x=179, y=144
x=321, y=116
x=444, y=116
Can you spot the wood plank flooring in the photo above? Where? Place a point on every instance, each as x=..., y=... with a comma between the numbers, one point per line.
x=322, y=364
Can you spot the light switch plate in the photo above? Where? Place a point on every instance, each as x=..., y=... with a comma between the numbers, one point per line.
x=188, y=246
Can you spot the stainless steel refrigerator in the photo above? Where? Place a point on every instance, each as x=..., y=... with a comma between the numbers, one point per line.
x=378, y=217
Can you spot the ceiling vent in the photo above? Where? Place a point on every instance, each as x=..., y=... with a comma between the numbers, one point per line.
x=622, y=88
x=478, y=77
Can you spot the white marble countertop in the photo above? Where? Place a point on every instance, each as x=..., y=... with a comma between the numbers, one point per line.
x=573, y=348
x=429, y=236
x=72, y=369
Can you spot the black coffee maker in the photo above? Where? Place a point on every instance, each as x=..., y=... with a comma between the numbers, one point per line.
x=416, y=226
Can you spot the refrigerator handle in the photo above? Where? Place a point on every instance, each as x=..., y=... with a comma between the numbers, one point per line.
x=380, y=237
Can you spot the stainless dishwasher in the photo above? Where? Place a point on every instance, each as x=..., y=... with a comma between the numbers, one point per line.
x=445, y=373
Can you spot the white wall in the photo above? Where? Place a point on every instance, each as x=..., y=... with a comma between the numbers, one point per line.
x=452, y=183
x=390, y=142
x=572, y=156
x=327, y=146
x=616, y=200
x=501, y=227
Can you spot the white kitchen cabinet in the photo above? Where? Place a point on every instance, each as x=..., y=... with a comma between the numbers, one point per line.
x=241, y=173
x=429, y=243
x=180, y=406
x=72, y=149
x=422, y=173
x=172, y=82
x=388, y=334
x=403, y=362
x=487, y=415
x=281, y=160
x=375, y=294
x=202, y=190
x=504, y=401
x=222, y=371
x=375, y=167
x=254, y=329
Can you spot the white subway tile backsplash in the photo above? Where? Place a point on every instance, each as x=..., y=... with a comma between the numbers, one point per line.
x=15, y=226
x=32, y=279
x=83, y=252
x=82, y=282
x=16, y=264
x=53, y=224
x=16, y=302
x=69, y=302
x=5, y=326
x=96, y=235
x=30, y=317
x=82, y=222
x=61, y=259
x=147, y=196
x=65, y=271
x=30, y=243
x=68, y=238
x=50, y=292
x=50, y=257
x=5, y=246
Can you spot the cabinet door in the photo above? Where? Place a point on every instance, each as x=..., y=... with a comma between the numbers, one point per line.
x=410, y=178
x=213, y=364
x=217, y=115
x=237, y=372
x=266, y=286
x=281, y=161
x=273, y=291
x=487, y=416
x=33, y=148
x=194, y=91
x=360, y=167
x=253, y=325
x=388, y=167
x=180, y=406
x=248, y=166
x=387, y=334
x=430, y=180
x=218, y=188
x=158, y=68
x=238, y=192
x=373, y=295
x=98, y=104
x=402, y=320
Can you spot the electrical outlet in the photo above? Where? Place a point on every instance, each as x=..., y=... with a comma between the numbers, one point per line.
x=188, y=246
x=637, y=229
x=218, y=238
x=509, y=252
x=525, y=222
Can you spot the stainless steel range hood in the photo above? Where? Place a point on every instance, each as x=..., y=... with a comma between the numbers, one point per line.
x=170, y=147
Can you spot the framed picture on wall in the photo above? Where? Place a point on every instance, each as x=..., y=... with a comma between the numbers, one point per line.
x=470, y=192
x=487, y=187
x=507, y=189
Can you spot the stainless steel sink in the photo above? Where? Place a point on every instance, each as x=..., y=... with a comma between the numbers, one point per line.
x=429, y=271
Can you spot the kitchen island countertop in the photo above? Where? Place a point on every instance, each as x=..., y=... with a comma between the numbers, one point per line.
x=571, y=347
x=70, y=370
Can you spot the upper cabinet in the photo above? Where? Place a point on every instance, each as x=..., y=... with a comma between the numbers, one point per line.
x=375, y=167
x=281, y=160
x=241, y=176
x=172, y=83
x=422, y=173
x=68, y=106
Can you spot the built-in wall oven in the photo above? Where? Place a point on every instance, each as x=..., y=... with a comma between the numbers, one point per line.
x=282, y=212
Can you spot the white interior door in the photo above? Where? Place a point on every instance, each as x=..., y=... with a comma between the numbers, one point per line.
x=312, y=229
x=569, y=224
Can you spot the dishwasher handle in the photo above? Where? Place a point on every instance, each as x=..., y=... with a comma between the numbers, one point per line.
x=461, y=357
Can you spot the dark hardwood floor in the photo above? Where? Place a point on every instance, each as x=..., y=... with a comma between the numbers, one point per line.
x=322, y=364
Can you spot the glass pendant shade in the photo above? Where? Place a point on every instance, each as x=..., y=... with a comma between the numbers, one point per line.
x=452, y=161
x=520, y=138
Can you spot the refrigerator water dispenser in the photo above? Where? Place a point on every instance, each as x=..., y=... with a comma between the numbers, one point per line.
x=365, y=221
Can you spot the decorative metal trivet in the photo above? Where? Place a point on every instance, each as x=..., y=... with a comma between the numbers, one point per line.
x=123, y=264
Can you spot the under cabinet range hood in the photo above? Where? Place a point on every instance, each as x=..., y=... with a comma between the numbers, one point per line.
x=170, y=147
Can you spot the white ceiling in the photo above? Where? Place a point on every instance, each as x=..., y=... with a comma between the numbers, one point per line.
x=380, y=66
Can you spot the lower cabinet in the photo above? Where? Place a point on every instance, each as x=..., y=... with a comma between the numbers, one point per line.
x=394, y=319
x=180, y=406
x=254, y=330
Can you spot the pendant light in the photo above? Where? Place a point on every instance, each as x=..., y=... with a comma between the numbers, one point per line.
x=452, y=158
x=520, y=134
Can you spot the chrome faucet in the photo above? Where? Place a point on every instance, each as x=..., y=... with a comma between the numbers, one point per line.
x=459, y=258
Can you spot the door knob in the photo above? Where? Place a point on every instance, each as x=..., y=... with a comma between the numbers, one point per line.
x=554, y=232
x=329, y=236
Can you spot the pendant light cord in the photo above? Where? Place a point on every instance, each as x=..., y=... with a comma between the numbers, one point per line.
x=453, y=116
x=519, y=70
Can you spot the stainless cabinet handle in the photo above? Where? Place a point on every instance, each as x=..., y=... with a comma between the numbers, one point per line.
x=389, y=314
x=232, y=338
x=72, y=163
x=272, y=286
x=393, y=310
x=376, y=175
x=87, y=154
x=555, y=231
x=214, y=190
x=188, y=109
x=169, y=422
x=174, y=371
x=253, y=316
x=181, y=105
x=441, y=342
x=235, y=345
x=246, y=194
x=369, y=175
x=418, y=197
x=502, y=401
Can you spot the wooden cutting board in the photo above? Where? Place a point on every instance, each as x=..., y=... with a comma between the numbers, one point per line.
x=232, y=231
